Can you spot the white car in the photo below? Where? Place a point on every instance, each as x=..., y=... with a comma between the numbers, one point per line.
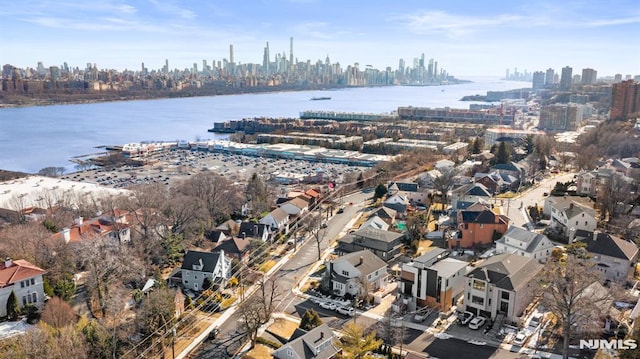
x=521, y=337
x=477, y=323
x=465, y=318
x=346, y=311
x=328, y=305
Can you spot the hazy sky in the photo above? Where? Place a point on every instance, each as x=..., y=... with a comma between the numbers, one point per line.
x=470, y=37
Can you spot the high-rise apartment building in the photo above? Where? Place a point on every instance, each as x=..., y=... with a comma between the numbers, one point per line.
x=549, y=78
x=625, y=100
x=589, y=76
x=291, y=52
x=231, y=54
x=266, y=59
x=565, y=78
x=538, y=80
x=560, y=117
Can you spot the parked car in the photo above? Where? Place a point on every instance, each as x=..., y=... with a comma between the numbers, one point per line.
x=477, y=323
x=328, y=305
x=214, y=333
x=465, y=317
x=521, y=337
x=346, y=311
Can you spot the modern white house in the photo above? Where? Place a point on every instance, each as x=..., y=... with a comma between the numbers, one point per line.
x=22, y=278
x=348, y=272
x=525, y=243
x=432, y=280
x=197, y=266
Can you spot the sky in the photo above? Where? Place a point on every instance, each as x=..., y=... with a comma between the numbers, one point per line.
x=466, y=37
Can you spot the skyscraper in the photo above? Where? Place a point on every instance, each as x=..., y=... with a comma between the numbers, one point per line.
x=266, y=59
x=566, y=77
x=538, y=80
x=625, y=100
x=291, y=52
x=589, y=76
x=549, y=78
x=231, y=53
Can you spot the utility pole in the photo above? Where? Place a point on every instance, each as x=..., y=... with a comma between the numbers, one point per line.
x=173, y=343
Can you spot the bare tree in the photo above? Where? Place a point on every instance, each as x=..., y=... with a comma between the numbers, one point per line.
x=444, y=182
x=615, y=190
x=256, y=311
x=215, y=193
x=572, y=292
x=313, y=224
x=58, y=313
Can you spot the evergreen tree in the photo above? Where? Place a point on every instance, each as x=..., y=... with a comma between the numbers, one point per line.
x=13, y=307
x=355, y=344
x=503, y=155
x=476, y=147
x=380, y=191
x=310, y=319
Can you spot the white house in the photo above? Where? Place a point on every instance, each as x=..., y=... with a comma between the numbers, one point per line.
x=525, y=243
x=375, y=222
x=23, y=278
x=348, y=271
x=501, y=285
x=277, y=220
x=200, y=265
x=433, y=280
x=569, y=217
x=295, y=207
x=614, y=257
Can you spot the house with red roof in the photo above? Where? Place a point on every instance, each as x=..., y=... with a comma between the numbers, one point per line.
x=23, y=278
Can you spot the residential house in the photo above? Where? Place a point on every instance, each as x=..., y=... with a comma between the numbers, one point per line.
x=501, y=285
x=357, y=272
x=254, y=230
x=410, y=190
x=375, y=222
x=478, y=226
x=318, y=343
x=229, y=227
x=445, y=165
x=385, y=244
x=433, y=280
x=113, y=227
x=398, y=202
x=200, y=265
x=277, y=220
x=385, y=213
x=587, y=183
x=525, y=243
x=614, y=257
x=314, y=195
x=510, y=168
x=22, y=278
x=492, y=181
x=295, y=207
x=236, y=248
x=469, y=193
x=570, y=215
x=428, y=179
x=215, y=236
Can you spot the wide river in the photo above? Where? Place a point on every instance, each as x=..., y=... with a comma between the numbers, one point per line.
x=35, y=137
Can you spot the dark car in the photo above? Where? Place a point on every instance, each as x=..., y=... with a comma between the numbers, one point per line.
x=214, y=333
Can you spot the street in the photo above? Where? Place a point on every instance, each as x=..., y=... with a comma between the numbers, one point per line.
x=230, y=340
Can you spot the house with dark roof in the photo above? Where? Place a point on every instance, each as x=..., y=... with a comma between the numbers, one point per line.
x=510, y=168
x=22, y=278
x=277, y=220
x=614, y=257
x=385, y=213
x=502, y=284
x=200, y=265
x=525, y=243
x=410, y=190
x=236, y=248
x=318, y=343
x=215, y=235
x=469, y=193
x=385, y=244
x=397, y=202
x=254, y=230
x=433, y=280
x=348, y=272
x=478, y=226
x=229, y=227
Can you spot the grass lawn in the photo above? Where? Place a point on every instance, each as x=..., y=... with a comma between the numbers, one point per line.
x=264, y=267
x=258, y=352
x=283, y=328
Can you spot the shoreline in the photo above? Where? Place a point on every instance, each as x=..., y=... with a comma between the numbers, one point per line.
x=162, y=95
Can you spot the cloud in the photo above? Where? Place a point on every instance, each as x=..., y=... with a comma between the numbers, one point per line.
x=441, y=22
x=612, y=22
x=314, y=29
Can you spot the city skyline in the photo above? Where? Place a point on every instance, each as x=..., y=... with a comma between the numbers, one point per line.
x=468, y=38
